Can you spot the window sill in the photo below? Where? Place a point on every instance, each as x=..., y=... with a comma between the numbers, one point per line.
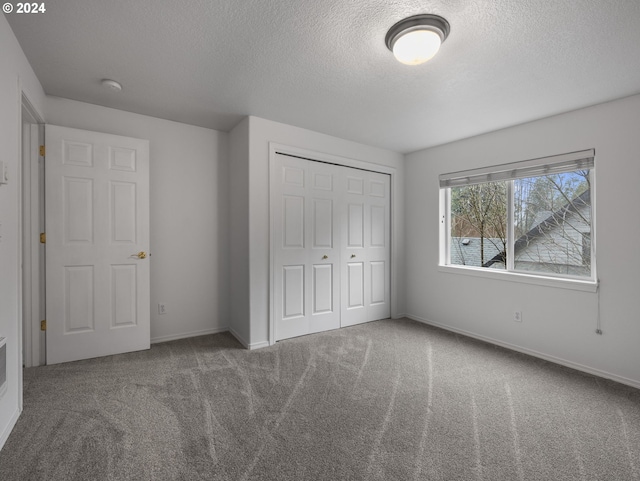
x=557, y=282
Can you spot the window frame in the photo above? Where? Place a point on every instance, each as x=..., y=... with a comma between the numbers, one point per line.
x=510, y=273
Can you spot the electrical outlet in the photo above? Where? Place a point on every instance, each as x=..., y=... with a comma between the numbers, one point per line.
x=162, y=308
x=517, y=316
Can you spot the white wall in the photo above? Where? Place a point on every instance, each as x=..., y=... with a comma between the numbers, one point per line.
x=189, y=190
x=261, y=132
x=557, y=323
x=239, y=230
x=16, y=75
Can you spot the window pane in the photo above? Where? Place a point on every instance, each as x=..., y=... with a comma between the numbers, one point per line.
x=479, y=225
x=552, y=217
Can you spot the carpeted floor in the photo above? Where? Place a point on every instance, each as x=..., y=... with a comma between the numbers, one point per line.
x=389, y=400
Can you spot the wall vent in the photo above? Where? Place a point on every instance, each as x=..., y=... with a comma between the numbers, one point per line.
x=3, y=366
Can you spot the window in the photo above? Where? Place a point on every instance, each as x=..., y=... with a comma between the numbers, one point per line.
x=478, y=223
x=528, y=217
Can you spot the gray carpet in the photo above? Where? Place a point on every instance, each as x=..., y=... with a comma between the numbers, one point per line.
x=389, y=400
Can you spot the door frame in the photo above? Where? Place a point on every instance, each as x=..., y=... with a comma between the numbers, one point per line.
x=314, y=156
x=31, y=257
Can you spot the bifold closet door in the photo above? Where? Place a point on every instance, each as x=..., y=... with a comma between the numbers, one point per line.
x=306, y=259
x=365, y=247
x=331, y=246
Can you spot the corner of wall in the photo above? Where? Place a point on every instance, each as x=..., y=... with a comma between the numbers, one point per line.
x=239, y=230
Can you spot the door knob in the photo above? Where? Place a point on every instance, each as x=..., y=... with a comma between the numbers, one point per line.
x=352, y=256
x=140, y=255
x=325, y=257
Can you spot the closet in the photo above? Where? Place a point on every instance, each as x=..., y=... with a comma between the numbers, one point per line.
x=331, y=246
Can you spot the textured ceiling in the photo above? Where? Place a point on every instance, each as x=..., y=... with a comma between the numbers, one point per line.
x=323, y=64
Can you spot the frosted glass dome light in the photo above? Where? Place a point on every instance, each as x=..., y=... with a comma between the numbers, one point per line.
x=417, y=39
x=416, y=47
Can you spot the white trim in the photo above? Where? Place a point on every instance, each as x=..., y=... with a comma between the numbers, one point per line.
x=332, y=159
x=31, y=298
x=26, y=233
x=511, y=228
x=246, y=345
x=444, y=226
x=5, y=386
x=23, y=101
x=271, y=328
x=239, y=338
x=9, y=428
x=185, y=335
x=24, y=95
x=538, y=280
x=594, y=228
x=38, y=295
x=531, y=352
x=19, y=259
x=274, y=148
x=258, y=345
x=206, y=332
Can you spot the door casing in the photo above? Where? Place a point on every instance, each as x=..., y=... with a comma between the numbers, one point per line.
x=31, y=218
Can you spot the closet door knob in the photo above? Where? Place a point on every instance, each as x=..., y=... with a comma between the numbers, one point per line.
x=325, y=257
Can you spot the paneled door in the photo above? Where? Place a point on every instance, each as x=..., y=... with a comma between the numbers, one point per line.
x=365, y=243
x=331, y=246
x=306, y=257
x=97, y=227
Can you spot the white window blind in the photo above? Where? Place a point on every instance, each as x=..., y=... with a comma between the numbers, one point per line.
x=556, y=164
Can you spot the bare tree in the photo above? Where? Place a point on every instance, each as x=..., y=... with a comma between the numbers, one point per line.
x=480, y=210
x=552, y=221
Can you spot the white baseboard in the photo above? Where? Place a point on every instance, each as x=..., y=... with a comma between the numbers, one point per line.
x=239, y=338
x=184, y=335
x=531, y=352
x=12, y=422
x=251, y=347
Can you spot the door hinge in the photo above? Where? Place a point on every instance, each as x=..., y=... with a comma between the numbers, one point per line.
x=42, y=150
x=43, y=238
x=43, y=325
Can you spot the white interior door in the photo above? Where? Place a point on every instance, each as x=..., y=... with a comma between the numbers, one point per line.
x=97, y=226
x=331, y=246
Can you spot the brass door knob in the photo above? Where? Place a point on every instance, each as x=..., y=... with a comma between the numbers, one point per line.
x=325, y=257
x=140, y=255
x=352, y=256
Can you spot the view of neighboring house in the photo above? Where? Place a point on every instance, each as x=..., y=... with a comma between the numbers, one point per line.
x=560, y=243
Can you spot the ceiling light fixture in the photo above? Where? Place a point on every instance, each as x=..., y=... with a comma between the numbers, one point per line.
x=417, y=39
x=112, y=85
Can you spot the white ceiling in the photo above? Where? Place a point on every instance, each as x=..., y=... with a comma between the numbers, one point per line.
x=323, y=64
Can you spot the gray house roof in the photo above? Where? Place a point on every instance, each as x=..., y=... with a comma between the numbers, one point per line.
x=468, y=253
